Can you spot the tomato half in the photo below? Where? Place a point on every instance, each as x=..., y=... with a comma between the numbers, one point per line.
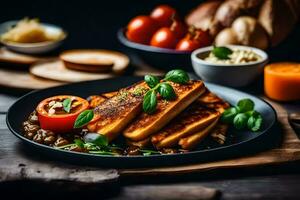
x=52, y=115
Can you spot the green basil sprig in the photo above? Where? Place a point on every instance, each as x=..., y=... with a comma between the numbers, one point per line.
x=67, y=105
x=84, y=118
x=165, y=90
x=150, y=102
x=243, y=116
x=222, y=52
x=151, y=81
x=177, y=76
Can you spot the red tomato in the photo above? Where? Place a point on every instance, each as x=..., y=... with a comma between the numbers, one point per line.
x=60, y=121
x=187, y=44
x=164, y=15
x=194, y=40
x=164, y=38
x=140, y=29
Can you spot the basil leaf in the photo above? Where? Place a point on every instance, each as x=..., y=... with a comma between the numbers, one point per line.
x=229, y=114
x=240, y=121
x=150, y=102
x=151, y=81
x=166, y=91
x=67, y=105
x=177, y=76
x=245, y=105
x=254, y=123
x=222, y=52
x=97, y=139
x=79, y=143
x=84, y=118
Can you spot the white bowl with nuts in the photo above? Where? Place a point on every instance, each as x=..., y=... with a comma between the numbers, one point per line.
x=230, y=65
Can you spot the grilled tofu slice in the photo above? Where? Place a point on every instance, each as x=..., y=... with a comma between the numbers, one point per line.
x=145, y=125
x=194, y=118
x=192, y=141
x=115, y=113
x=215, y=129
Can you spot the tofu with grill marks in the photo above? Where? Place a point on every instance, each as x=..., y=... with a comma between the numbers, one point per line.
x=145, y=125
x=115, y=113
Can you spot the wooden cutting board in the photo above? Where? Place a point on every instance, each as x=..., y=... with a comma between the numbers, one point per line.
x=288, y=151
x=23, y=80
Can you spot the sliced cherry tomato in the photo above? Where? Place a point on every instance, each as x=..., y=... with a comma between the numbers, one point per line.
x=164, y=38
x=52, y=115
x=140, y=29
x=163, y=15
x=194, y=40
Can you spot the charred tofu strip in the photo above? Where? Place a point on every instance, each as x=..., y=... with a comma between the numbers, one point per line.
x=145, y=125
x=192, y=141
x=115, y=113
x=210, y=101
x=195, y=118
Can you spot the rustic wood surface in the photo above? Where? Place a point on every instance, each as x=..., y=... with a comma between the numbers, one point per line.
x=234, y=183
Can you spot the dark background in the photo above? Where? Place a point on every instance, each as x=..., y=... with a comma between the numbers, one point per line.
x=93, y=24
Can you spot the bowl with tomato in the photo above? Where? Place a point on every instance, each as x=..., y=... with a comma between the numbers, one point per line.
x=162, y=40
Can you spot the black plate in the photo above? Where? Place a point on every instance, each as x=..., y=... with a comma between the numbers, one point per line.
x=239, y=142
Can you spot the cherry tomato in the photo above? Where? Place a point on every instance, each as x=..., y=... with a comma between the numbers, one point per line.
x=164, y=38
x=140, y=29
x=187, y=44
x=163, y=15
x=194, y=40
x=52, y=116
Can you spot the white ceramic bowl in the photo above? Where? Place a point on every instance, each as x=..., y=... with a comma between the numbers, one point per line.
x=236, y=75
x=32, y=48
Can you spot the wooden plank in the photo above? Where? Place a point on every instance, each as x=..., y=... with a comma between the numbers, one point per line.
x=167, y=192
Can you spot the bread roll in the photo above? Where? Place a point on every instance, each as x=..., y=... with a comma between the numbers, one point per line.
x=278, y=17
x=201, y=17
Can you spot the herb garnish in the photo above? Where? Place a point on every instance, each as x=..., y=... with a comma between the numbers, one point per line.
x=163, y=88
x=243, y=116
x=222, y=52
x=177, y=76
x=67, y=104
x=84, y=118
x=93, y=143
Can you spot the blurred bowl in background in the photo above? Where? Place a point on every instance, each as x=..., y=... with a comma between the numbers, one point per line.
x=235, y=75
x=33, y=48
x=160, y=58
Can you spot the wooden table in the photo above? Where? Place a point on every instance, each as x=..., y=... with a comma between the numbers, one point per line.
x=280, y=182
